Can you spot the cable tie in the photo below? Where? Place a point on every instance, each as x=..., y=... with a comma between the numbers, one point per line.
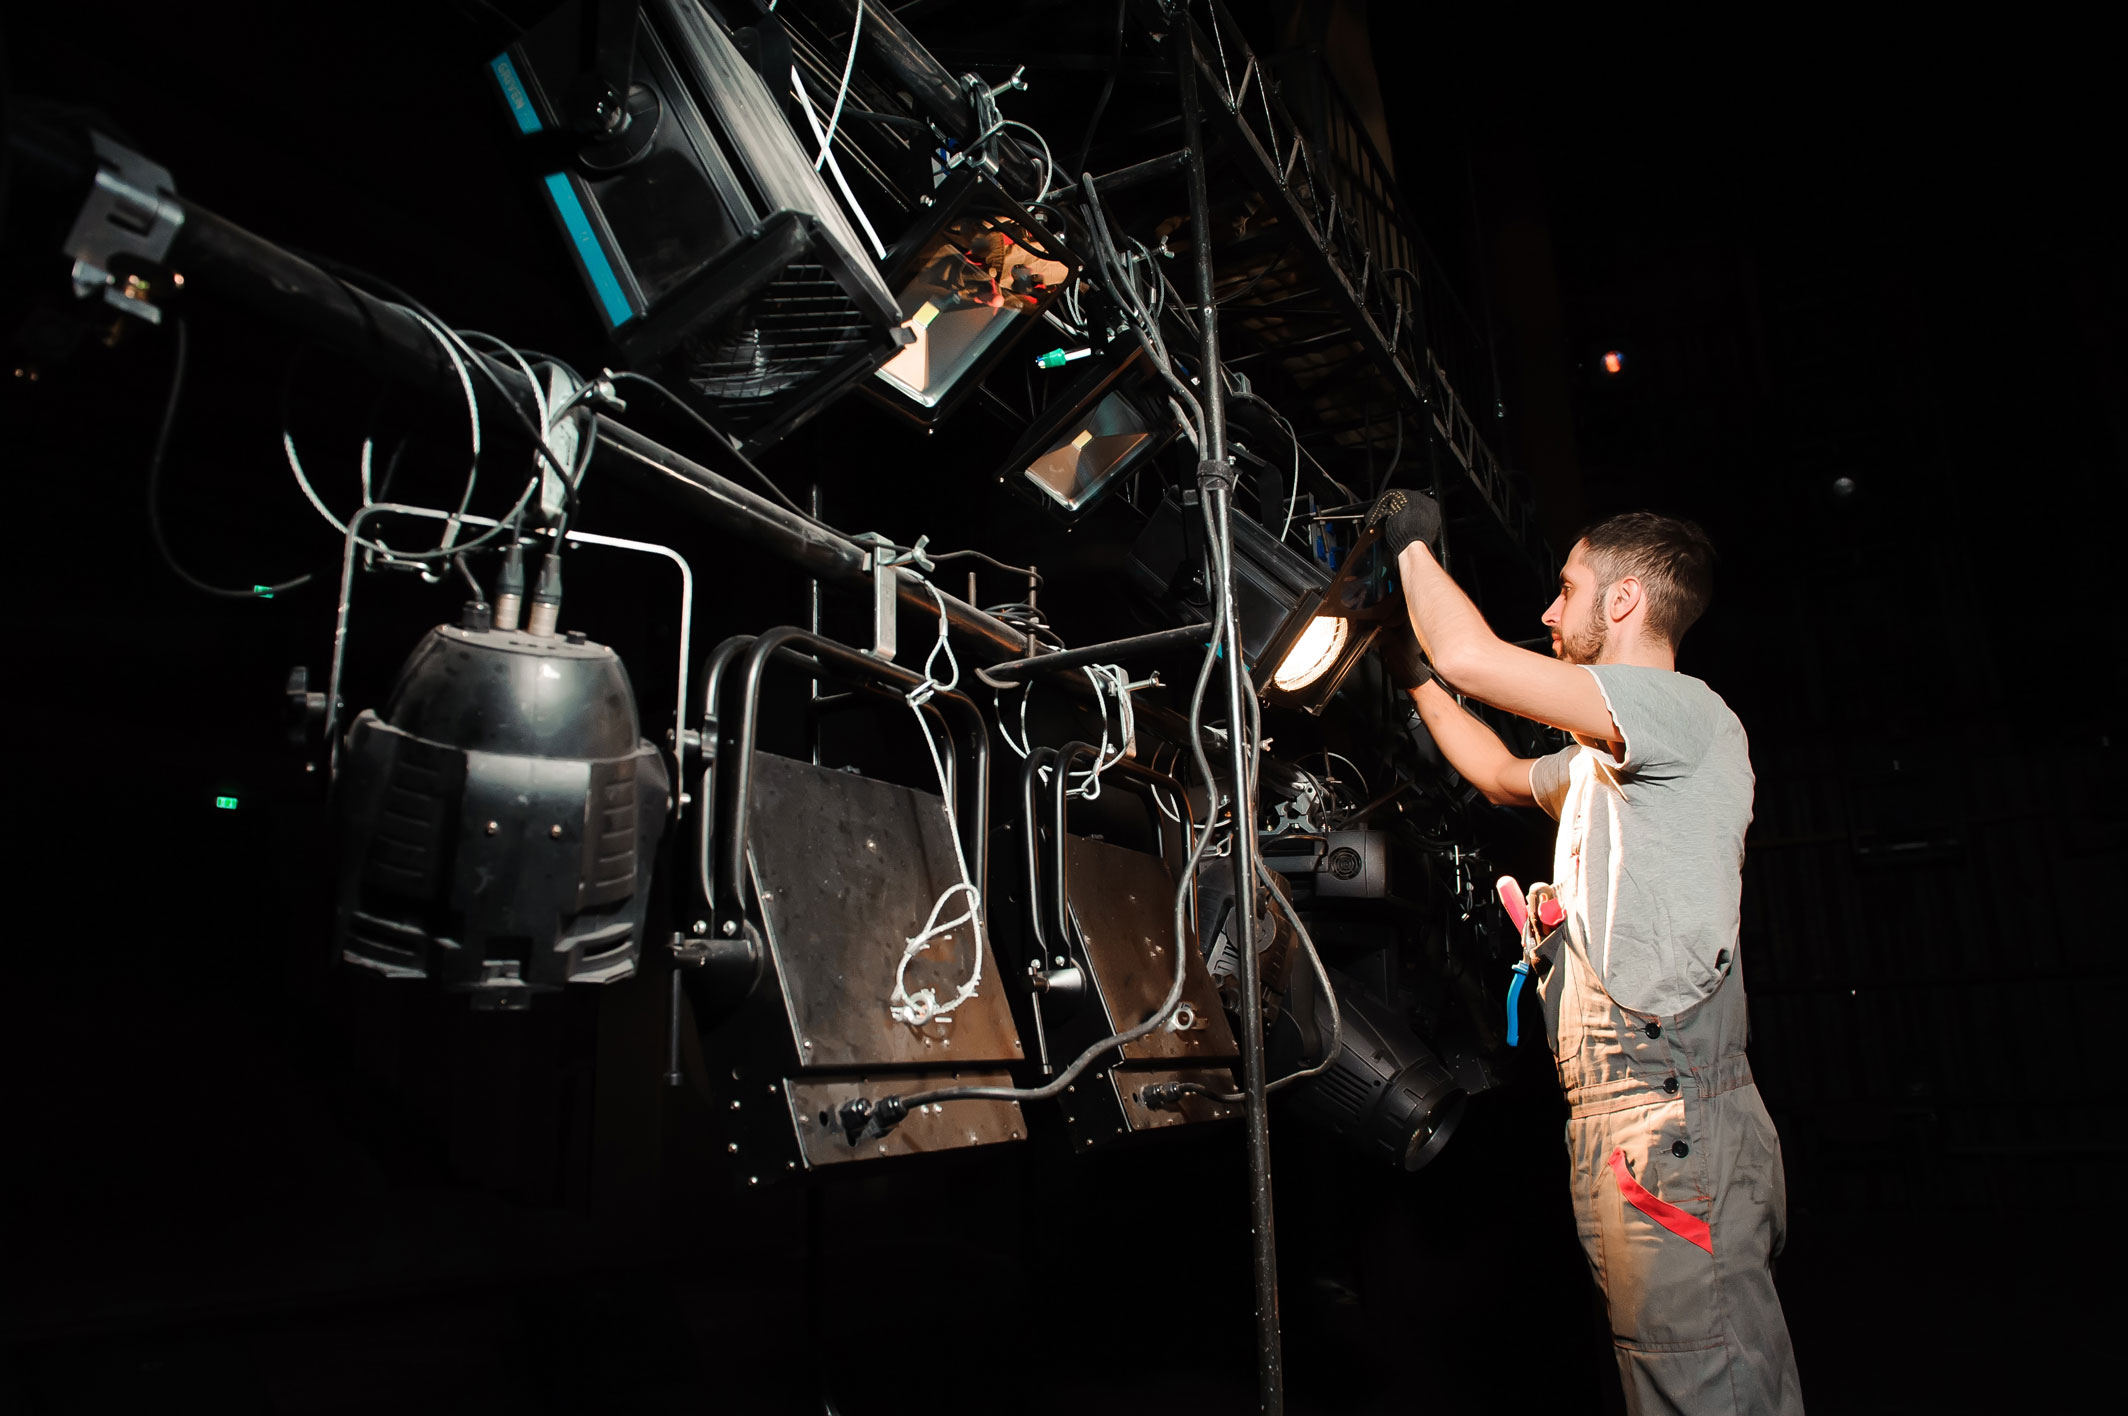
x=1216, y=475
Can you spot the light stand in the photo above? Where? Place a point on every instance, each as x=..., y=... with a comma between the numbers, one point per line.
x=1215, y=481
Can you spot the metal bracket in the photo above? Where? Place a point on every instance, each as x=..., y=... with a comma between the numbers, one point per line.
x=131, y=210
x=882, y=557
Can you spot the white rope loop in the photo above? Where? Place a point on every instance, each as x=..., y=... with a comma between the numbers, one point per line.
x=922, y=1006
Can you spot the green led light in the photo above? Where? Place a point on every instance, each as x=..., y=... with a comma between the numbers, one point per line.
x=264, y=592
x=1054, y=359
x=225, y=803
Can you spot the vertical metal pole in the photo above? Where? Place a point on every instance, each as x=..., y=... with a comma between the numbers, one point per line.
x=1215, y=484
x=812, y=622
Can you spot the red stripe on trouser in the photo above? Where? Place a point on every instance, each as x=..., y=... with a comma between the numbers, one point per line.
x=1669, y=1216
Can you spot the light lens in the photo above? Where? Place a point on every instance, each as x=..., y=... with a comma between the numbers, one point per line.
x=1312, y=654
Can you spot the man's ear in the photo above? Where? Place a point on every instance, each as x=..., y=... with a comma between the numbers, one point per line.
x=1626, y=596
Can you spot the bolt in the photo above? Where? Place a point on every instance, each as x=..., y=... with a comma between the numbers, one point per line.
x=733, y=1147
x=735, y=1105
x=753, y=1179
x=555, y=832
x=701, y=926
x=772, y=1089
x=493, y=827
x=730, y=927
x=809, y=1045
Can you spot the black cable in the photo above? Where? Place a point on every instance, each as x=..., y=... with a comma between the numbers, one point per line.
x=1332, y=1045
x=1140, y=319
x=711, y=428
x=155, y=479
x=1025, y=572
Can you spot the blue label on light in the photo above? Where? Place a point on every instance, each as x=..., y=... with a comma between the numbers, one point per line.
x=588, y=250
x=514, y=91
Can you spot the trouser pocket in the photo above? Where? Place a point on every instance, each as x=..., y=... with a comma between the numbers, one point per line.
x=1676, y=1379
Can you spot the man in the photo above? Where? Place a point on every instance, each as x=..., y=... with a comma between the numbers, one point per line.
x=1676, y=1170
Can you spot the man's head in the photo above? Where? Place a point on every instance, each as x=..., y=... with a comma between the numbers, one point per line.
x=1634, y=580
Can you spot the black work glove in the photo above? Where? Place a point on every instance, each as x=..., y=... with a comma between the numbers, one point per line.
x=1402, y=660
x=1405, y=517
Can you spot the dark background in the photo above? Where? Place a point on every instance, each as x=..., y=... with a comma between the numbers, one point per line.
x=1823, y=255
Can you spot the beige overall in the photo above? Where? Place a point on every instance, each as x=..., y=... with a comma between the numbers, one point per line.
x=1678, y=1193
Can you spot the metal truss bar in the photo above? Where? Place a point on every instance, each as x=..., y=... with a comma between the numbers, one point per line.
x=1429, y=388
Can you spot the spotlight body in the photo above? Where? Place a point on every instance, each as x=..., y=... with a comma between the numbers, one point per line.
x=1094, y=432
x=968, y=286
x=1387, y=1092
x=501, y=817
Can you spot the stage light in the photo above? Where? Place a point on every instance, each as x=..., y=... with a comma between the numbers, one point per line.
x=1387, y=1092
x=1302, y=629
x=1105, y=424
x=1313, y=654
x=501, y=818
x=702, y=232
x=973, y=279
x=1613, y=362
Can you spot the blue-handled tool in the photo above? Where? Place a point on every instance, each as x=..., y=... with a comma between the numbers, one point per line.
x=1540, y=906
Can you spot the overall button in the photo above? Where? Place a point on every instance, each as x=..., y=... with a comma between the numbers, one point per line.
x=1669, y=1084
x=1680, y=1150
x=1654, y=1030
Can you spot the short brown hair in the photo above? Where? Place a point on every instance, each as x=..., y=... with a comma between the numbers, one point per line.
x=1671, y=558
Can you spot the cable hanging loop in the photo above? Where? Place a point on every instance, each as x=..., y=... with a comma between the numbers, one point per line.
x=922, y=1006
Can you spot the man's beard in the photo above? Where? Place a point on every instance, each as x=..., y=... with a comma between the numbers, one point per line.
x=1585, y=646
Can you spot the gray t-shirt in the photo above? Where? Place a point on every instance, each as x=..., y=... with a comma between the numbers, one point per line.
x=1650, y=857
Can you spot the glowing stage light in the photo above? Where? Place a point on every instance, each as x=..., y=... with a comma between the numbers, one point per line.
x=1313, y=654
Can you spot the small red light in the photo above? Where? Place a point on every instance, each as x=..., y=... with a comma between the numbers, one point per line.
x=1613, y=361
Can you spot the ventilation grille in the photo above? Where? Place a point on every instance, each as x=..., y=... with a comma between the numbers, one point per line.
x=800, y=327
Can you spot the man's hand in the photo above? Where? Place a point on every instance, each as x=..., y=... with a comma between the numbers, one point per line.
x=1406, y=519
x=1401, y=660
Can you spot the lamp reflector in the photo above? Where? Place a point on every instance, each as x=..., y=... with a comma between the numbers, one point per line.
x=1313, y=654
x=1082, y=462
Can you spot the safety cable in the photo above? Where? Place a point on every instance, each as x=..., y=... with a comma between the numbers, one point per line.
x=923, y=1006
x=889, y=1110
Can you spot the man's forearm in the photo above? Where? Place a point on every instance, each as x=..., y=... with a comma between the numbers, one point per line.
x=1473, y=749
x=1449, y=626
x=1480, y=665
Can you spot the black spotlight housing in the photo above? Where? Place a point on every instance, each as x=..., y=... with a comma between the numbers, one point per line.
x=1110, y=420
x=501, y=818
x=1303, y=629
x=971, y=283
x=710, y=247
x=1386, y=1092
